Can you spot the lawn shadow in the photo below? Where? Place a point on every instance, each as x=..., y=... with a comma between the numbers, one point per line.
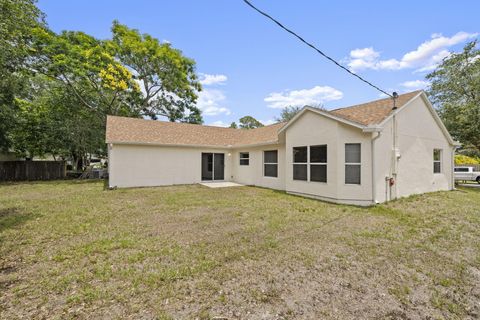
x=13, y=217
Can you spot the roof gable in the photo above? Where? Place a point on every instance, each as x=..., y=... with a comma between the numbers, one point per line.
x=374, y=112
x=361, y=116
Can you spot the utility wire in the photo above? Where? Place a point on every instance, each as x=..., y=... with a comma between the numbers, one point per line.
x=315, y=48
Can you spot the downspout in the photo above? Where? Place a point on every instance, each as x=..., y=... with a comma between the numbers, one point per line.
x=452, y=172
x=109, y=167
x=374, y=189
x=394, y=165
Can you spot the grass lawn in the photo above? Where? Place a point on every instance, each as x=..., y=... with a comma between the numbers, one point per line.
x=72, y=250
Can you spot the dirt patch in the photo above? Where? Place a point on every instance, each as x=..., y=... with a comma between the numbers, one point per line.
x=188, y=252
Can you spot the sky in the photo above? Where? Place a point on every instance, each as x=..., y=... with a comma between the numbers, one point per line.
x=249, y=66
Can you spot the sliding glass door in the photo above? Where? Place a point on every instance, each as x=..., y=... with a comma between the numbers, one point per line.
x=213, y=166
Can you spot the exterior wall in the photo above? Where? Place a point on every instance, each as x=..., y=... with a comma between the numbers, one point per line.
x=311, y=129
x=417, y=135
x=253, y=173
x=141, y=166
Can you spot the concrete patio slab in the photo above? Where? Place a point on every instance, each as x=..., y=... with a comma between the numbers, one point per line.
x=221, y=184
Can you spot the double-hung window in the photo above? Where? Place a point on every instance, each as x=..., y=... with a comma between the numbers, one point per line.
x=244, y=158
x=353, y=166
x=270, y=163
x=437, y=160
x=300, y=165
x=318, y=163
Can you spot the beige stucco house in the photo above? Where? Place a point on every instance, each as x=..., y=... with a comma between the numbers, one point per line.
x=363, y=154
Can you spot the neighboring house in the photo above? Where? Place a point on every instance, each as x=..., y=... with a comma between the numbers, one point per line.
x=361, y=155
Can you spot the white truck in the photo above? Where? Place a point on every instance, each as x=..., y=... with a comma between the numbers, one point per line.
x=466, y=174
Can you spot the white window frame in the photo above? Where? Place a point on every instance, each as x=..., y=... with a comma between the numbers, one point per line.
x=310, y=163
x=300, y=163
x=267, y=163
x=352, y=164
x=440, y=151
x=244, y=158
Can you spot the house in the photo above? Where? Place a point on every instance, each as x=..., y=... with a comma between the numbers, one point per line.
x=363, y=154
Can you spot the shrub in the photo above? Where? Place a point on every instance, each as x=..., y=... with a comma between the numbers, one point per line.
x=463, y=159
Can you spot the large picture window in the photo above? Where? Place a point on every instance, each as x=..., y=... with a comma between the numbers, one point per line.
x=318, y=163
x=244, y=158
x=437, y=161
x=300, y=157
x=310, y=163
x=270, y=163
x=353, y=166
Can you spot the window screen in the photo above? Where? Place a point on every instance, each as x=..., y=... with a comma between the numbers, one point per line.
x=318, y=154
x=244, y=158
x=437, y=160
x=318, y=163
x=300, y=157
x=353, y=159
x=270, y=163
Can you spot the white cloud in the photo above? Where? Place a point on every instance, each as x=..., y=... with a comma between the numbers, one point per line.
x=315, y=95
x=425, y=58
x=268, y=122
x=211, y=79
x=415, y=84
x=219, y=123
x=210, y=102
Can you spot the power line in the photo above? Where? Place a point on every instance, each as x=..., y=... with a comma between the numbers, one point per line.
x=315, y=48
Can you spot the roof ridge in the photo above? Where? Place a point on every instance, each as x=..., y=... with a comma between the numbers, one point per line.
x=194, y=124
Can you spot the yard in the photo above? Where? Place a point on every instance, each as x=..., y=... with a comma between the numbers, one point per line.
x=72, y=250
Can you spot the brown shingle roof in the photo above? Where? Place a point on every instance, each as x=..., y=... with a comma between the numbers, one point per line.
x=133, y=130
x=373, y=112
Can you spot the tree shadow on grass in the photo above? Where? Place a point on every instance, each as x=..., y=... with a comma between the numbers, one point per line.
x=13, y=217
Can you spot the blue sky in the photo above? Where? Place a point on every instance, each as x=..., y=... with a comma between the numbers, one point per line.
x=249, y=66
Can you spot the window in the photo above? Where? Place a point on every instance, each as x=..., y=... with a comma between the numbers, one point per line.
x=437, y=160
x=316, y=160
x=353, y=158
x=244, y=158
x=318, y=163
x=270, y=163
x=460, y=169
x=300, y=163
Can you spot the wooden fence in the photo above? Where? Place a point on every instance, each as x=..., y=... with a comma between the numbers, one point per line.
x=32, y=170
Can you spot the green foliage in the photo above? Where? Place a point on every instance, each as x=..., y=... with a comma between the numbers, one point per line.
x=56, y=89
x=167, y=78
x=87, y=70
x=249, y=122
x=17, y=18
x=50, y=120
x=288, y=113
x=455, y=92
x=233, y=125
x=463, y=159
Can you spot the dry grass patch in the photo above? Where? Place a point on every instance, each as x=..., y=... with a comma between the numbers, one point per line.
x=72, y=250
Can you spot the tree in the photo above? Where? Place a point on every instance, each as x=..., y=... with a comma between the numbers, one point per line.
x=233, y=125
x=288, y=113
x=87, y=70
x=167, y=78
x=455, y=92
x=249, y=122
x=52, y=121
x=18, y=18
